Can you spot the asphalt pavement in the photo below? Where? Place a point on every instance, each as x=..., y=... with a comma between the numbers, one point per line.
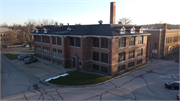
x=146, y=83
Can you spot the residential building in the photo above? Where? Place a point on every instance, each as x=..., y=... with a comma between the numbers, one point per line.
x=162, y=41
x=107, y=48
x=4, y=37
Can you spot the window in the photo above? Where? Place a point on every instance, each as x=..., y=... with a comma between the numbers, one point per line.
x=46, y=58
x=131, y=41
x=104, y=43
x=60, y=53
x=121, y=68
x=45, y=39
x=169, y=40
x=78, y=42
x=37, y=38
x=58, y=40
x=139, y=61
x=60, y=63
x=140, y=52
x=133, y=30
x=53, y=40
x=71, y=41
x=95, y=42
x=121, y=57
x=46, y=50
x=96, y=56
x=175, y=39
x=131, y=54
x=104, y=57
x=122, y=31
x=54, y=61
x=140, y=40
x=80, y=64
x=96, y=67
x=141, y=30
x=122, y=42
x=38, y=55
x=155, y=46
x=54, y=52
x=38, y=48
x=104, y=69
x=131, y=64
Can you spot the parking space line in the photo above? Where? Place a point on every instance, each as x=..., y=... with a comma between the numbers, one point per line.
x=174, y=90
x=169, y=76
x=174, y=76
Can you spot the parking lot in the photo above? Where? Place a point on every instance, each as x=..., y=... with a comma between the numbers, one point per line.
x=40, y=69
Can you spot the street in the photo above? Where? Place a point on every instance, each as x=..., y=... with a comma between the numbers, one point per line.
x=144, y=84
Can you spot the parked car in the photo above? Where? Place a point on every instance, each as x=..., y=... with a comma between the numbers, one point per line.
x=26, y=45
x=172, y=84
x=27, y=58
x=178, y=96
x=30, y=60
x=22, y=57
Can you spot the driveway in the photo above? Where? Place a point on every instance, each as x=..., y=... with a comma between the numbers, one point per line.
x=144, y=84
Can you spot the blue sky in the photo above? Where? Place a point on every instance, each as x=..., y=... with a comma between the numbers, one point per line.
x=89, y=11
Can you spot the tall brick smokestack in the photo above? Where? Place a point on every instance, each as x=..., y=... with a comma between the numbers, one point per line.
x=112, y=12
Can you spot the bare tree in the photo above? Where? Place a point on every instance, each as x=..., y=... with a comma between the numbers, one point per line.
x=12, y=37
x=4, y=25
x=25, y=31
x=46, y=22
x=125, y=21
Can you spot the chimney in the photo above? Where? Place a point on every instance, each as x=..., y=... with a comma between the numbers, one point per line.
x=112, y=12
x=41, y=27
x=164, y=26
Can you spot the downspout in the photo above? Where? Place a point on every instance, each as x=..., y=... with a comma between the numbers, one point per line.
x=109, y=55
x=66, y=51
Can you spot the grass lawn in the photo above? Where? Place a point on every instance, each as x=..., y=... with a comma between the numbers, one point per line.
x=27, y=51
x=14, y=56
x=79, y=78
x=11, y=56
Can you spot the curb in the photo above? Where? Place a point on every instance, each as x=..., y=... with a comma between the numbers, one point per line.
x=21, y=68
x=82, y=86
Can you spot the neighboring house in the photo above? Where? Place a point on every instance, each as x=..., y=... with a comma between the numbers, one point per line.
x=163, y=41
x=4, y=36
x=107, y=48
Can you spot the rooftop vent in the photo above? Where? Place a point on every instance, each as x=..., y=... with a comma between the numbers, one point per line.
x=100, y=22
x=119, y=22
x=61, y=24
x=56, y=23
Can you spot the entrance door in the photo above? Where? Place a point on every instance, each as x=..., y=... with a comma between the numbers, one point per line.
x=74, y=62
